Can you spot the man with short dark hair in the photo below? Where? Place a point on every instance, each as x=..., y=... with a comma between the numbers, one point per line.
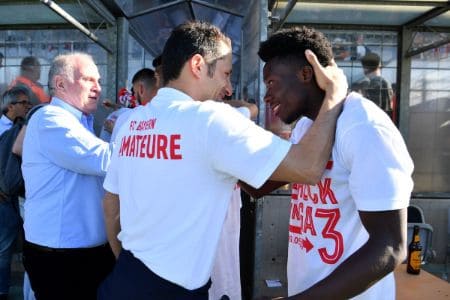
x=144, y=89
x=30, y=72
x=178, y=160
x=375, y=87
x=347, y=233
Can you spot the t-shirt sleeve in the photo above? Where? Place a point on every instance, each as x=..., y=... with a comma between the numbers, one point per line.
x=238, y=147
x=111, y=183
x=380, y=167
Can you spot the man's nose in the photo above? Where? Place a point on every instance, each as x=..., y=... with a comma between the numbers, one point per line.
x=98, y=87
x=228, y=89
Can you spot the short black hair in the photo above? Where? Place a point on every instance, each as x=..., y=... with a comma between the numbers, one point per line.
x=147, y=76
x=292, y=42
x=188, y=39
x=157, y=61
x=371, y=61
x=29, y=62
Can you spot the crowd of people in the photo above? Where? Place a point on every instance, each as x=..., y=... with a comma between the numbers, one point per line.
x=151, y=210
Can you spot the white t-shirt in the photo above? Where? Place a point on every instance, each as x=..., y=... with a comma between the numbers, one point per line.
x=225, y=275
x=176, y=164
x=325, y=228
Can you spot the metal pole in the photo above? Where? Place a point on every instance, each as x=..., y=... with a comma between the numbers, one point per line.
x=57, y=9
x=290, y=5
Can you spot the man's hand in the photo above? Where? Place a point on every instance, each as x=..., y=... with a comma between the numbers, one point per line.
x=331, y=79
x=108, y=125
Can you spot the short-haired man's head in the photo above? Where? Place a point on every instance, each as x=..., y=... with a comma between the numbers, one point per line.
x=144, y=85
x=189, y=39
x=145, y=75
x=371, y=61
x=11, y=96
x=65, y=65
x=30, y=67
x=292, y=42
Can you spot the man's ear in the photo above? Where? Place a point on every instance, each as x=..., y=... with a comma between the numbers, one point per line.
x=305, y=74
x=196, y=63
x=59, y=82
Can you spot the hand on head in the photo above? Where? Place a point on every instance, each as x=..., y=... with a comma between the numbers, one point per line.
x=330, y=78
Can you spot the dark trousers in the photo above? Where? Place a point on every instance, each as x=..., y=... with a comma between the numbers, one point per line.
x=131, y=279
x=57, y=274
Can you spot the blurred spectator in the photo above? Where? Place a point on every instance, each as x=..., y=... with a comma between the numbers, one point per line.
x=30, y=72
x=359, y=50
x=374, y=87
x=144, y=89
x=15, y=104
x=341, y=50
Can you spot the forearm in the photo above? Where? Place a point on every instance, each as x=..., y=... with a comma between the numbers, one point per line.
x=384, y=250
x=267, y=187
x=111, y=210
x=368, y=266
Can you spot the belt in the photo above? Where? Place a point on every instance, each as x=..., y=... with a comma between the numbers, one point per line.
x=62, y=250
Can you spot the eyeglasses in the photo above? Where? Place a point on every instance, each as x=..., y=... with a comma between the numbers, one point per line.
x=23, y=102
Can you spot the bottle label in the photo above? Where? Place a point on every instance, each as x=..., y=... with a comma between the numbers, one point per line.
x=415, y=260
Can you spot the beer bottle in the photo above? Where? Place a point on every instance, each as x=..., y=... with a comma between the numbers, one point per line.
x=414, y=253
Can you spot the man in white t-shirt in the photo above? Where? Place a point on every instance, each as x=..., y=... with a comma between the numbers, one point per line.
x=144, y=89
x=347, y=233
x=170, y=181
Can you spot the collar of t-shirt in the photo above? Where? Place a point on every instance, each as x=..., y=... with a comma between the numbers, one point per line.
x=172, y=94
x=86, y=120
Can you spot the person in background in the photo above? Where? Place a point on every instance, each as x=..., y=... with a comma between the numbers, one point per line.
x=30, y=72
x=15, y=105
x=66, y=253
x=17, y=148
x=143, y=90
x=347, y=233
x=374, y=86
x=163, y=231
